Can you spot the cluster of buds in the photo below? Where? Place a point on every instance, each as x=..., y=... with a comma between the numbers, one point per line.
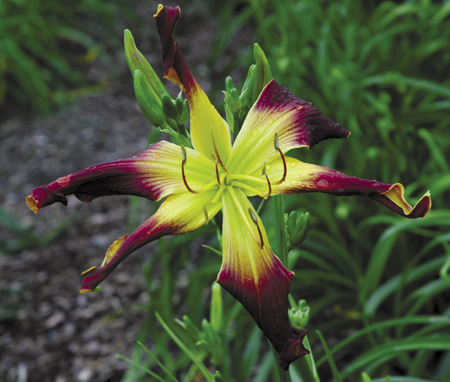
x=237, y=105
x=209, y=336
x=168, y=114
x=298, y=314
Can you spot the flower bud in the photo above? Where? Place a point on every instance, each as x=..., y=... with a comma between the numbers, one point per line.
x=297, y=227
x=299, y=315
x=183, y=113
x=216, y=313
x=146, y=100
x=263, y=73
x=168, y=106
x=136, y=61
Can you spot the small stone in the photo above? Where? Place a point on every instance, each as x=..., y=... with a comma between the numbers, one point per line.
x=54, y=320
x=84, y=375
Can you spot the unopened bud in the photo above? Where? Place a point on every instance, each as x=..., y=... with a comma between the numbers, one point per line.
x=299, y=315
x=136, y=61
x=147, y=101
x=216, y=313
x=168, y=106
x=297, y=227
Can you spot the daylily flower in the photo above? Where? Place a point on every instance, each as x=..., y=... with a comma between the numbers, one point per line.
x=218, y=175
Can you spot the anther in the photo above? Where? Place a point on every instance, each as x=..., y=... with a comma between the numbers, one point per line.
x=276, y=143
x=268, y=181
x=183, y=154
x=255, y=220
x=277, y=148
x=183, y=163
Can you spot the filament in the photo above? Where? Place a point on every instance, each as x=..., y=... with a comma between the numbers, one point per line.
x=255, y=220
x=277, y=148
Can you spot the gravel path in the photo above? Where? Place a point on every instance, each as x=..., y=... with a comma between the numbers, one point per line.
x=49, y=332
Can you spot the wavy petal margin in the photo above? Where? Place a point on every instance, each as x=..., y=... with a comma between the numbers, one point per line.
x=205, y=120
x=257, y=278
x=277, y=111
x=178, y=214
x=153, y=174
x=305, y=177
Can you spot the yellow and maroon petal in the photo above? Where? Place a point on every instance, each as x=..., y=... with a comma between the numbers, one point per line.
x=206, y=122
x=178, y=214
x=305, y=177
x=277, y=111
x=256, y=277
x=153, y=174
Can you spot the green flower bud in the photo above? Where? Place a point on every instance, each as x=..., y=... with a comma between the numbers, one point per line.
x=299, y=315
x=183, y=113
x=216, y=312
x=136, y=61
x=168, y=106
x=297, y=227
x=229, y=85
x=146, y=100
x=263, y=73
x=246, y=93
x=230, y=118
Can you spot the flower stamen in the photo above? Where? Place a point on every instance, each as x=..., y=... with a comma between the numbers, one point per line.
x=217, y=156
x=183, y=163
x=255, y=220
x=277, y=148
x=268, y=181
x=217, y=174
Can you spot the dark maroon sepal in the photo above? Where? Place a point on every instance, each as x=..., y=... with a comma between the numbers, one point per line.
x=42, y=197
x=293, y=349
x=175, y=68
x=420, y=210
x=310, y=125
x=267, y=303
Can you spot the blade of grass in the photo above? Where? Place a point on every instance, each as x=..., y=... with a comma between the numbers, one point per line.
x=201, y=367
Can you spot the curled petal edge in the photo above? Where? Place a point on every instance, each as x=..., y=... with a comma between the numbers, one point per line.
x=394, y=198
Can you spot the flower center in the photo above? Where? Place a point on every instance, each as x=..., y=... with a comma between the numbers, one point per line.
x=225, y=180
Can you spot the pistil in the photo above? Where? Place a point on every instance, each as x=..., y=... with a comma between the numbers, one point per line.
x=255, y=220
x=244, y=216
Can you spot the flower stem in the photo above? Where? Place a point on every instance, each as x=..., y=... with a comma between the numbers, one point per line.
x=280, y=228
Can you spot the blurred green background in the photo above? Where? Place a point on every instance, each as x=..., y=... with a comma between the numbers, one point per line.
x=377, y=285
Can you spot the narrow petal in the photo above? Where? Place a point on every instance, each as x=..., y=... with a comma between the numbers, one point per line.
x=178, y=214
x=277, y=111
x=305, y=177
x=205, y=120
x=257, y=278
x=153, y=174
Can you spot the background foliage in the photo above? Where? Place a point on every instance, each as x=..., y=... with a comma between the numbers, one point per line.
x=377, y=285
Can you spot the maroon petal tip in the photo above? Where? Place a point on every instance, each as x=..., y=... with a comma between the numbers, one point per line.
x=42, y=196
x=293, y=349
